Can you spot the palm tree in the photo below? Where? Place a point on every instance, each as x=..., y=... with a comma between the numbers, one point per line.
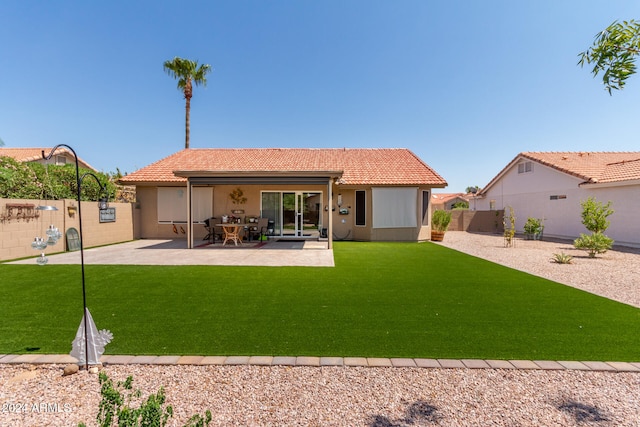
x=187, y=72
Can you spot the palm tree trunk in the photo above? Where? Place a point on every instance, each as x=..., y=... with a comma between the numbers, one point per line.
x=186, y=121
x=188, y=93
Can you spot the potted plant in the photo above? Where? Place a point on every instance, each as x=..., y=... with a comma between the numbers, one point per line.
x=533, y=229
x=439, y=224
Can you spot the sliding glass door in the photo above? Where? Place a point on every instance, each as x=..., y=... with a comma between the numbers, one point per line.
x=272, y=209
x=293, y=213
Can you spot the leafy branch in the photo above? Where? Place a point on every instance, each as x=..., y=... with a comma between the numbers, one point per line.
x=614, y=53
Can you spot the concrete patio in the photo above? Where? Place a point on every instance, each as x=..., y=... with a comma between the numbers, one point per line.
x=173, y=252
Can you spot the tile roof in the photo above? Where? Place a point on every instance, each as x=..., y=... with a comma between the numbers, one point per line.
x=440, y=198
x=592, y=167
x=375, y=166
x=34, y=154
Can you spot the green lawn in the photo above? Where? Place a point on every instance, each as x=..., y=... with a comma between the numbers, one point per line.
x=381, y=300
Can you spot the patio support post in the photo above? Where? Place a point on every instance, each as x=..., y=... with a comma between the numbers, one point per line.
x=330, y=212
x=189, y=216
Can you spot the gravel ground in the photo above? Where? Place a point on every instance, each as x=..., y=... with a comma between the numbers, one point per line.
x=38, y=395
x=335, y=396
x=614, y=274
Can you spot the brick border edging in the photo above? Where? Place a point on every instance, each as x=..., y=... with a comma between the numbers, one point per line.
x=314, y=361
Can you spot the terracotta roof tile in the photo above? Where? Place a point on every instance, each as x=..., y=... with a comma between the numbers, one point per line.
x=441, y=198
x=622, y=171
x=589, y=166
x=384, y=166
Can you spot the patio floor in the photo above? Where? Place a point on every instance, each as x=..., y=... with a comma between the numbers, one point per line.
x=174, y=252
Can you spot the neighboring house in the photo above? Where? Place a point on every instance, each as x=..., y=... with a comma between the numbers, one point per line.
x=350, y=194
x=551, y=185
x=62, y=156
x=445, y=201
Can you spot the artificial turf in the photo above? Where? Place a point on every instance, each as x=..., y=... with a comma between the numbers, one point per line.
x=380, y=300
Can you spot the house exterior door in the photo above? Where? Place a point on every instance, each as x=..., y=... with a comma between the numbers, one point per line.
x=293, y=213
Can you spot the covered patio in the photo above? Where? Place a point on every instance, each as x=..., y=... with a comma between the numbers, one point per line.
x=300, y=184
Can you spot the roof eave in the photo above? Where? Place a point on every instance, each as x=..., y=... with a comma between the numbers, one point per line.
x=256, y=173
x=621, y=183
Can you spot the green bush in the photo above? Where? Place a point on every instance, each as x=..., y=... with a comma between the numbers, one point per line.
x=440, y=220
x=116, y=407
x=533, y=226
x=460, y=205
x=49, y=182
x=18, y=181
x=596, y=243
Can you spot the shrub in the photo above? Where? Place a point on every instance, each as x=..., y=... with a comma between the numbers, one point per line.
x=115, y=408
x=596, y=243
x=533, y=226
x=51, y=182
x=562, y=258
x=18, y=181
x=460, y=205
x=440, y=220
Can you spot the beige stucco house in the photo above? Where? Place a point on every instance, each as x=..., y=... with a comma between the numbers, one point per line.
x=345, y=194
x=551, y=185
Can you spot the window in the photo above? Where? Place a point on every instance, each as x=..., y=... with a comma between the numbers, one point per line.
x=525, y=167
x=492, y=205
x=172, y=204
x=425, y=208
x=361, y=208
x=394, y=207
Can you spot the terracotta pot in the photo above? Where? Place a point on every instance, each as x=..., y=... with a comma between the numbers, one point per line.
x=437, y=236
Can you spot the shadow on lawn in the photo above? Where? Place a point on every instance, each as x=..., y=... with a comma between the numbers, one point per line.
x=417, y=412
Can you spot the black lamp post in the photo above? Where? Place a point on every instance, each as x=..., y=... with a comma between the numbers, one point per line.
x=102, y=205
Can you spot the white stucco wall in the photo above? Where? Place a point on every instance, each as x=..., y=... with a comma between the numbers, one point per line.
x=529, y=194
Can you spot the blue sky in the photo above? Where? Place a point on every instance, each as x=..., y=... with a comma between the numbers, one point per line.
x=466, y=85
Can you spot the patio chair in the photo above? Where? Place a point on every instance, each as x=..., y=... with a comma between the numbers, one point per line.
x=211, y=230
x=260, y=229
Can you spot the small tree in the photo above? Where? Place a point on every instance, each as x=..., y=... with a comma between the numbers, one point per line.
x=509, y=224
x=594, y=215
x=473, y=189
x=594, y=218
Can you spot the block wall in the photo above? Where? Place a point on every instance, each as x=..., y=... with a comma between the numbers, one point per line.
x=17, y=233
